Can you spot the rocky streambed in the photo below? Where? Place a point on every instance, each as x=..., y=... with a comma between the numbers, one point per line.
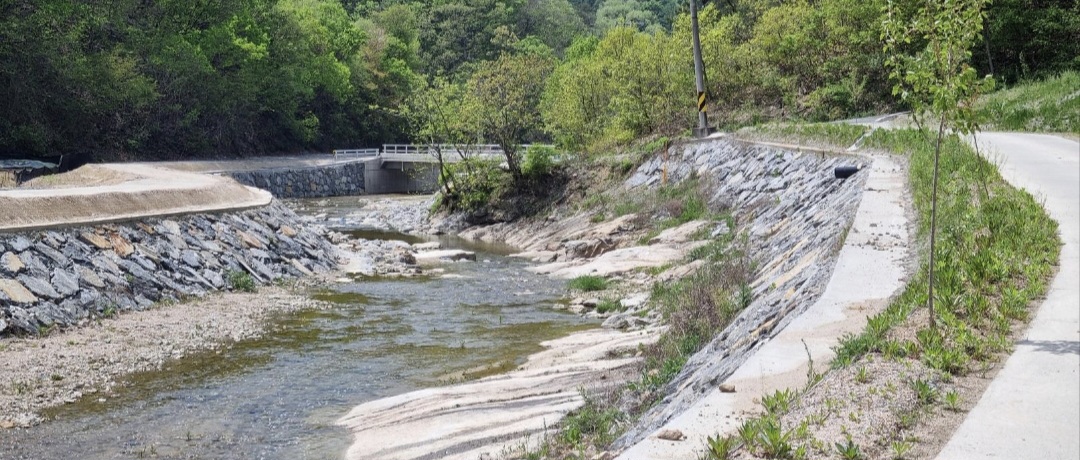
x=251, y=375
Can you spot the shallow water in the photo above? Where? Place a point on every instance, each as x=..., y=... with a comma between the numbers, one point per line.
x=278, y=397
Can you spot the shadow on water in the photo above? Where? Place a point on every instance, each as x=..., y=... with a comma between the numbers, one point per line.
x=277, y=397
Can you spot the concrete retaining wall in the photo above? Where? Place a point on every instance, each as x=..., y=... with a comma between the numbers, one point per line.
x=344, y=179
x=400, y=177
x=61, y=277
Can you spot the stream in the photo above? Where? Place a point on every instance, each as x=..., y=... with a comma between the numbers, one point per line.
x=277, y=397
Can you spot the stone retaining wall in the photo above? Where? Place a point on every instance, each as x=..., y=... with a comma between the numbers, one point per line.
x=796, y=215
x=345, y=179
x=63, y=276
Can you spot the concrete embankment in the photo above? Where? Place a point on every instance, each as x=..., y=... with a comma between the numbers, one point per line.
x=795, y=214
x=63, y=276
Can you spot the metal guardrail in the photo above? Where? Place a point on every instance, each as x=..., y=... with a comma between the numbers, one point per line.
x=451, y=152
x=358, y=153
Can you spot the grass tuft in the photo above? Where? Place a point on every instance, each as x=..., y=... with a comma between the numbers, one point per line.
x=588, y=283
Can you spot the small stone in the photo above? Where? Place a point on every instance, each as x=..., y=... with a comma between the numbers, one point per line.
x=122, y=247
x=64, y=282
x=591, y=303
x=20, y=243
x=603, y=456
x=671, y=435
x=15, y=291
x=249, y=240
x=39, y=286
x=91, y=278
x=96, y=240
x=191, y=258
x=170, y=227
x=7, y=424
x=53, y=254
x=288, y=231
x=11, y=263
x=727, y=388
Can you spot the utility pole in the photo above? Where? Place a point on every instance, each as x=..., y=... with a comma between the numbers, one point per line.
x=703, y=129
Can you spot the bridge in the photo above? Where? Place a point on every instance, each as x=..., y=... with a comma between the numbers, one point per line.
x=451, y=153
x=410, y=168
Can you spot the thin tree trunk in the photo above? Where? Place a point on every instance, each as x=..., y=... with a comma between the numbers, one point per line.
x=933, y=223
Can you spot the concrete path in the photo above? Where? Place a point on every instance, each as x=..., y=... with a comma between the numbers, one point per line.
x=869, y=270
x=1032, y=408
x=147, y=191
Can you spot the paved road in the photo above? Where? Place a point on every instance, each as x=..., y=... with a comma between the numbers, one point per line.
x=1032, y=408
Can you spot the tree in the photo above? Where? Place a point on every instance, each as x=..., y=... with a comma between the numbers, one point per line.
x=554, y=22
x=507, y=92
x=440, y=114
x=624, y=13
x=929, y=44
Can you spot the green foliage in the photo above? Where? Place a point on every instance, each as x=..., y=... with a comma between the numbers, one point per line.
x=1023, y=39
x=900, y=449
x=473, y=184
x=625, y=85
x=1051, y=105
x=849, y=450
x=608, y=305
x=240, y=281
x=591, y=422
x=588, y=283
x=721, y=447
x=696, y=308
x=539, y=162
x=167, y=79
x=507, y=94
x=924, y=391
x=952, y=401
x=841, y=135
x=997, y=248
x=778, y=403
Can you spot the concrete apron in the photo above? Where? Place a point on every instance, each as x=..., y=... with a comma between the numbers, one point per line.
x=1032, y=408
x=870, y=269
x=154, y=192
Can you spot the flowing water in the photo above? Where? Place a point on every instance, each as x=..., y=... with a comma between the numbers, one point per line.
x=278, y=397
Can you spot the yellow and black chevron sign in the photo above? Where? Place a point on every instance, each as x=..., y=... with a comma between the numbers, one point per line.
x=701, y=101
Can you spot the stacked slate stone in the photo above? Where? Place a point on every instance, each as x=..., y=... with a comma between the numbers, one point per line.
x=63, y=276
x=314, y=182
x=795, y=213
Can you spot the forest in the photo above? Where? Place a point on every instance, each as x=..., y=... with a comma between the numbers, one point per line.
x=166, y=79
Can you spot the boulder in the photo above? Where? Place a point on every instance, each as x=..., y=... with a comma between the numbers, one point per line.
x=429, y=246
x=444, y=255
x=681, y=234
x=586, y=249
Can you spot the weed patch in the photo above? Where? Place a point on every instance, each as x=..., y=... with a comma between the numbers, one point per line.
x=240, y=281
x=588, y=283
x=1050, y=105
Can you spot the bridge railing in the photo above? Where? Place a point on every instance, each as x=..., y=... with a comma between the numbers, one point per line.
x=358, y=153
x=451, y=152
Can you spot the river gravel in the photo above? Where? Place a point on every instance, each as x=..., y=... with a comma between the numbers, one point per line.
x=61, y=367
